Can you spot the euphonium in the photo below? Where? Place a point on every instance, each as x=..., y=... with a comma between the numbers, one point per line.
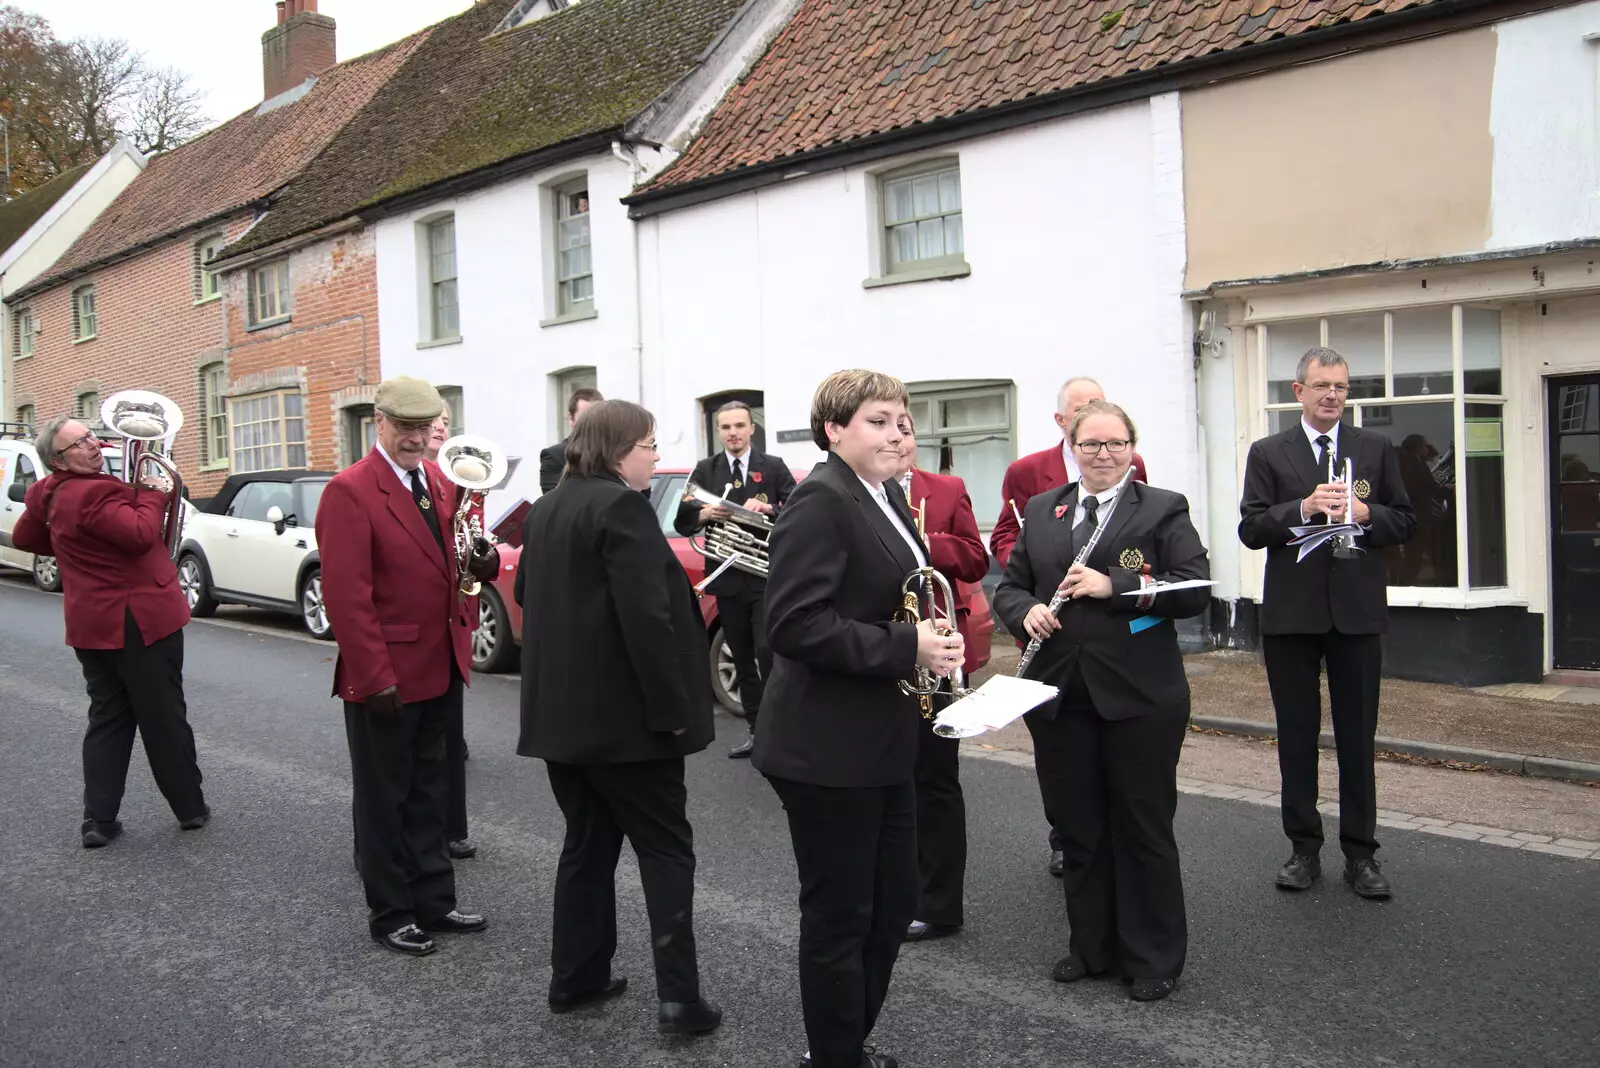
x=145, y=420
x=740, y=541
x=477, y=465
x=921, y=591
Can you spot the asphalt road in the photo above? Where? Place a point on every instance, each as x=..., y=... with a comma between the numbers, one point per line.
x=245, y=943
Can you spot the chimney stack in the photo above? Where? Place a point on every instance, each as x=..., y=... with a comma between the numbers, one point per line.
x=299, y=46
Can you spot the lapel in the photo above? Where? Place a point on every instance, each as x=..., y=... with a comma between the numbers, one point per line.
x=404, y=508
x=447, y=497
x=897, y=501
x=721, y=474
x=893, y=543
x=1302, y=460
x=1127, y=502
x=1350, y=441
x=1061, y=528
x=1055, y=469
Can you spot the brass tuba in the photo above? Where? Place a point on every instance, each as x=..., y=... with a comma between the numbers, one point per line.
x=146, y=421
x=921, y=592
x=740, y=541
x=477, y=465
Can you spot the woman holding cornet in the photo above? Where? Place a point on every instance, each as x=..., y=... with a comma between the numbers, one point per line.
x=837, y=737
x=1107, y=749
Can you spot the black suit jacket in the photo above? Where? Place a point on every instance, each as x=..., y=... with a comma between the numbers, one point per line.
x=551, y=462
x=1127, y=674
x=1322, y=592
x=832, y=713
x=614, y=649
x=768, y=479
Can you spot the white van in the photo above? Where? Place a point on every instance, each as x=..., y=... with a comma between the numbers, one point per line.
x=19, y=469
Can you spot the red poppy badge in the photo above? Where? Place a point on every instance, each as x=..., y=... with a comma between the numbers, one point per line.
x=755, y=476
x=1061, y=510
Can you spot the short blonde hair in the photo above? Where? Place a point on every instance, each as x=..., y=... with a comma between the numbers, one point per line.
x=843, y=393
x=1102, y=407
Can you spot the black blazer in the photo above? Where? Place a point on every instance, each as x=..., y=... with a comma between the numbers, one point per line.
x=1322, y=592
x=832, y=713
x=614, y=649
x=551, y=462
x=768, y=479
x=1127, y=674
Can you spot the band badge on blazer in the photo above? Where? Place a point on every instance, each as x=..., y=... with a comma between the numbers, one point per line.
x=762, y=497
x=1363, y=488
x=1132, y=559
x=424, y=504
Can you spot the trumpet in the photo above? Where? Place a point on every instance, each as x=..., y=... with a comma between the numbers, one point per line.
x=740, y=541
x=477, y=465
x=920, y=592
x=145, y=421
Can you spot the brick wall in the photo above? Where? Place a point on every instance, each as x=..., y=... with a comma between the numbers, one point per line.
x=329, y=346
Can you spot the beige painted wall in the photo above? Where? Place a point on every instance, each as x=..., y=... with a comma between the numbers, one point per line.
x=1372, y=156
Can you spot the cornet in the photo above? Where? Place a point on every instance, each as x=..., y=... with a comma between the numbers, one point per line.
x=145, y=421
x=921, y=591
x=477, y=465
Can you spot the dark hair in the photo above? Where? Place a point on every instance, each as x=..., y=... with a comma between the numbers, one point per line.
x=736, y=406
x=608, y=431
x=579, y=396
x=843, y=393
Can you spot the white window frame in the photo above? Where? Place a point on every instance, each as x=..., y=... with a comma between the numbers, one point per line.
x=1463, y=592
x=85, y=314
x=214, y=414
x=566, y=307
x=207, y=284
x=90, y=412
x=262, y=431
x=890, y=269
x=565, y=382
x=27, y=333
x=361, y=432
x=929, y=432
x=456, y=400
x=25, y=415
x=440, y=279
x=276, y=276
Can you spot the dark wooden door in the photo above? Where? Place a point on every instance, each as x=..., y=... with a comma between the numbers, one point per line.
x=1575, y=522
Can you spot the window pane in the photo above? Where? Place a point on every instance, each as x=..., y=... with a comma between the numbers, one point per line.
x=898, y=197
x=1423, y=439
x=954, y=238
x=1286, y=343
x=1486, y=496
x=1423, y=344
x=903, y=243
x=988, y=409
x=1480, y=350
x=950, y=191
x=1359, y=339
x=930, y=239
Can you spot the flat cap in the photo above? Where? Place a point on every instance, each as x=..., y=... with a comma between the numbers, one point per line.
x=410, y=400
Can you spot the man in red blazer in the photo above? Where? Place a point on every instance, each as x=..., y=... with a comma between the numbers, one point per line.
x=1038, y=472
x=390, y=580
x=955, y=548
x=125, y=615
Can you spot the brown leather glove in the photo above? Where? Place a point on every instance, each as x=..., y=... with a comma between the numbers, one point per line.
x=386, y=703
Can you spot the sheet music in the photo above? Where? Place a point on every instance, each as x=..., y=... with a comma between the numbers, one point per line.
x=1163, y=587
x=705, y=496
x=1003, y=699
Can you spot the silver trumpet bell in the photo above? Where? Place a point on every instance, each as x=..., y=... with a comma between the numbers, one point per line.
x=145, y=421
x=477, y=465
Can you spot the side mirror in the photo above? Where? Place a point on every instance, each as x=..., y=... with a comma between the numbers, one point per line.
x=17, y=491
x=275, y=517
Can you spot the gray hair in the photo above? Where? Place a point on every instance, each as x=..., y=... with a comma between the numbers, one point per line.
x=1061, y=394
x=45, y=443
x=1322, y=357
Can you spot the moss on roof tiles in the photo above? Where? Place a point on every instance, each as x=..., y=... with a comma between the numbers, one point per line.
x=20, y=213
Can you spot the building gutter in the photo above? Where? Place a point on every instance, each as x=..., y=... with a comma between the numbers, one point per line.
x=628, y=156
x=1446, y=16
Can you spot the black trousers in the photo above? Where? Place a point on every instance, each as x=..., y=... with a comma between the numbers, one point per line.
x=1114, y=785
x=744, y=622
x=1355, y=669
x=138, y=688
x=455, y=764
x=647, y=802
x=397, y=772
x=941, y=828
x=856, y=852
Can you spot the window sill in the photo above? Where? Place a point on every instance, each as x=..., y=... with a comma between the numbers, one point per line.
x=439, y=342
x=919, y=274
x=81, y=340
x=208, y=300
x=571, y=317
x=220, y=465
x=1453, y=597
x=22, y=356
x=268, y=324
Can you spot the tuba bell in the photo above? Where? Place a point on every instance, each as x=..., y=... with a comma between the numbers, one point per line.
x=477, y=465
x=921, y=592
x=739, y=542
x=147, y=422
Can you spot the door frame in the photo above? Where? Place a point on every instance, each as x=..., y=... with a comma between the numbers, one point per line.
x=1552, y=432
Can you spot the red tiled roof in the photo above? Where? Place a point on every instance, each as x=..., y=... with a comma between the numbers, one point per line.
x=847, y=69
x=233, y=165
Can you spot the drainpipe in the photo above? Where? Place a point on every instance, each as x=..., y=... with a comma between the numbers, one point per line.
x=630, y=157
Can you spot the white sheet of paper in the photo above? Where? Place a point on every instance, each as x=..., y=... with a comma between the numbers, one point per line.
x=1163, y=587
x=1001, y=700
x=705, y=496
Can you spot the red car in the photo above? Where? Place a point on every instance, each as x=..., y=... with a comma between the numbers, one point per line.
x=495, y=642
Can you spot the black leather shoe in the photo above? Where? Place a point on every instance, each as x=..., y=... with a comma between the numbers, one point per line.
x=1069, y=969
x=688, y=1017
x=921, y=932
x=1146, y=989
x=568, y=1002
x=408, y=940
x=1057, y=862
x=743, y=749
x=96, y=834
x=194, y=823
x=871, y=1058
x=1299, y=872
x=457, y=923
x=461, y=849
x=1367, y=879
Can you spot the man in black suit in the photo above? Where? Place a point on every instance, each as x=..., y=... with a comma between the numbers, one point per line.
x=1325, y=609
x=762, y=484
x=553, y=460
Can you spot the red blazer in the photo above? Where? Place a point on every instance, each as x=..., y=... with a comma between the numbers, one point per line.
x=390, y=590
x=106, y=537
x=1034, y=473
x=954, y=546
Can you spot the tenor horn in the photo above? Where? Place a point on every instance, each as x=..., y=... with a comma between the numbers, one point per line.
x=147, y=422
x=477, y=465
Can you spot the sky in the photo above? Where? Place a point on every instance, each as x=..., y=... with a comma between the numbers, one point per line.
x=218, y=42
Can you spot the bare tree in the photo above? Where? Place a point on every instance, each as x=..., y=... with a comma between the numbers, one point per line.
x=166, y=111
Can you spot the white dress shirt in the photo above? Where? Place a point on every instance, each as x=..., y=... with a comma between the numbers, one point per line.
x=1105, y=497
x=744, y=463
x=1071, y=461
x=1312, y=434
x=402, y=473
x=881, y=495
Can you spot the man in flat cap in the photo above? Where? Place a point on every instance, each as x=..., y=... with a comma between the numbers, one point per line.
x=392, y=589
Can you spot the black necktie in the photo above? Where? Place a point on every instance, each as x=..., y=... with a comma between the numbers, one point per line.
x=430, y=514
x=738, y=475
x=1323, y=441
x=1081, y=532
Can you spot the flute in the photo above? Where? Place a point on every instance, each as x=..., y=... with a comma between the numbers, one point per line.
x=1083, y=554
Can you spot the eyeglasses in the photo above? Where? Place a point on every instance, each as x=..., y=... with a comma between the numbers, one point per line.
x=1115, y=448
x=408, y=429
x=87, y=437
x=1323, y=388
x=651, y=445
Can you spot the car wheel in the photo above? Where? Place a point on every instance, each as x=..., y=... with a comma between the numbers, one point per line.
x=724, y=676
x=493, y=648
x=312, y=609
x=196, y=585
x=46, y=574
